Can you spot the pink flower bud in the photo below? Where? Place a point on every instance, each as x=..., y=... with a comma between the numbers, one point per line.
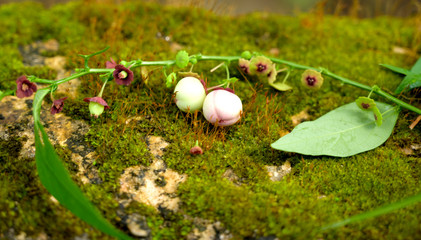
x=222, y=107
x=196, y=150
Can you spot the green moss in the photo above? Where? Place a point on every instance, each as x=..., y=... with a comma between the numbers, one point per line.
x=320, y=190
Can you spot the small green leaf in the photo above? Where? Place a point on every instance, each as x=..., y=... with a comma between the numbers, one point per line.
x=246, y=55
x=6, y=93
x=182, y=59
x=57, y=181
x=232, y=80
x=412, y=79
x=343, y=132
x=281, y=86
x=171, y=80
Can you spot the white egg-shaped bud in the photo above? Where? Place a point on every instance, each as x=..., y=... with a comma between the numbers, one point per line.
x=189, y=94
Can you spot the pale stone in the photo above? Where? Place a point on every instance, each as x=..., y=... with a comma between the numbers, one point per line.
x=156, y=145
x=140, y=183
x=137, y=225
x=61, y=129
x=155, y=185
x=276, y=173
x=231, y=176
x=300, y=117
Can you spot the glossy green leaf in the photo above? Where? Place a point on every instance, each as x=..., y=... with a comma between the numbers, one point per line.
x=36, y=105
x=377, y=212
x=412, y=79
x=343, y=132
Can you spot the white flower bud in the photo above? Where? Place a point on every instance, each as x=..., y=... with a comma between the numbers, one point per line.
x=189, y=94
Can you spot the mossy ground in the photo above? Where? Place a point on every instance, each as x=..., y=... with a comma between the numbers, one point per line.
x=320, y=190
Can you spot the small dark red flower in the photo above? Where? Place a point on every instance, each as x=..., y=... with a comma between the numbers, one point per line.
x=196, y=150
x=25, y=88
x=57, y=105
x=110, y=64
x=122, y=75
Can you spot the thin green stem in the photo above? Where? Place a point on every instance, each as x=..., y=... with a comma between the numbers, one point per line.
x=218, y=58
x=102, y=89
x=352, y=83
x=154, y=63
x=287, y=75
x=45, y=81
x=80, y=74
x=227, y=60
x=376, y=90
x=227, y=70
x=370, y=93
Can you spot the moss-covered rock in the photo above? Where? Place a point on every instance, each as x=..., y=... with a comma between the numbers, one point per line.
x=318, y=191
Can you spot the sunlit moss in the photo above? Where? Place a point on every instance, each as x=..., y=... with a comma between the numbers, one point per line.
x=320, y=190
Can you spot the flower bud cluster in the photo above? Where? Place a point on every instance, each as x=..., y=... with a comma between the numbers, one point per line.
x=220, y=106
x=265, y=70
x=259, y=66
x=121, y=74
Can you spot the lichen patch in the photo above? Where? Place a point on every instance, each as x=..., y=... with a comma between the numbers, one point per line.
x=155, y=185
x=156, y=145
x=62, y=130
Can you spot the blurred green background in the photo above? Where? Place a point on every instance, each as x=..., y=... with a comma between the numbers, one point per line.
x=356, y=8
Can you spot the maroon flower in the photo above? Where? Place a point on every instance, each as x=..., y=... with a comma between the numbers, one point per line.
x=96, y=105
x=25, y=88
x=57, y=105
x=196, y=150
x=122, y=75
x=110, y=64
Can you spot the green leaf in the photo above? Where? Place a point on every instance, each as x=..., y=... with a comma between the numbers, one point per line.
x=412, y=80
x=396, y=69
x=281, y=86
x=57, y=181
x=6, y=93
x=182, y=59
x=343, y=132
x=376, y=212
x=36, y=105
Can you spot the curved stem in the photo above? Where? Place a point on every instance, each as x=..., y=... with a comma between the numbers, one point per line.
x=227, y=70
x=228, y=59
x=102, y=89
x=352, y=83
